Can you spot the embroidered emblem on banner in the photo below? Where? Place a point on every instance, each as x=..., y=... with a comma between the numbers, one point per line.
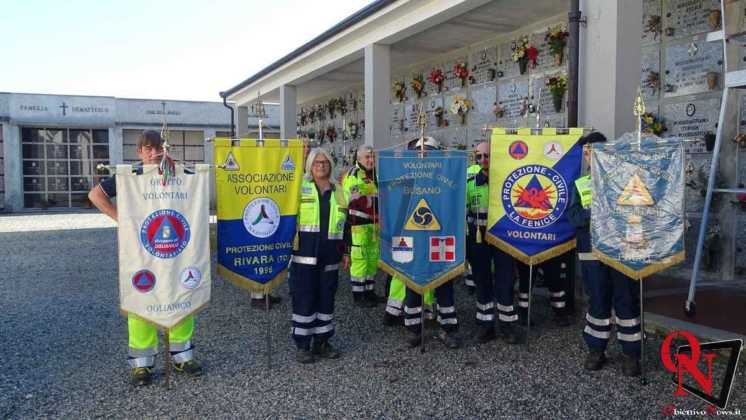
x=553, y=150
x=518, y=149
x=143, y=281
x=635, y=193
x=165, y=233
x=230, y=163
x=190, y=278
x=261, y=217
x=442, y=248
x=288, y=165
x=534, y=196
x=402, y=249
x=422, y=218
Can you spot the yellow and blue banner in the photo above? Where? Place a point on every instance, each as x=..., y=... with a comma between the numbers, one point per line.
x=532, y=177
x=258, y=193
x=637, y=212
x=422, y=207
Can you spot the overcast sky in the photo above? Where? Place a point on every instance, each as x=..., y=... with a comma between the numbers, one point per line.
x=164, y=49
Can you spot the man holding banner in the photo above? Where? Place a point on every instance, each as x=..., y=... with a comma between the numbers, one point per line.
x=486, y=258
x=422, y=229
x=158, y=286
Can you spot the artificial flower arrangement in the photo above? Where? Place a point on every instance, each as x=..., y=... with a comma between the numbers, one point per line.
x=418, y=84
x=439, y=113
x=653, y=81
x=653, y=26
x=653, y=124
x=498, y=110
x=557, y=39
x=303, y=117
x=331, y=133
x=437, y=78
x=460, y=71
x=353, y=129
x=342, y=105
x=460, y=106
x=332, y=107
x=557, y=86
x=524, y=54
x=400, y=91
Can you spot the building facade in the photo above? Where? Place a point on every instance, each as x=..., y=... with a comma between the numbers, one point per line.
x=50, y=145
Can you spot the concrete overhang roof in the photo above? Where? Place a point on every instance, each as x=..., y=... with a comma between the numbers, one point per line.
x=416, y=30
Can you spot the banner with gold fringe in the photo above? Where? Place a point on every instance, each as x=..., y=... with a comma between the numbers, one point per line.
x=532, y=177
x=422, y=207
x=637, y=212
x=258, y=192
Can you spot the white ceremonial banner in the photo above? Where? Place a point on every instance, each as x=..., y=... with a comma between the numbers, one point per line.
x=164, y=243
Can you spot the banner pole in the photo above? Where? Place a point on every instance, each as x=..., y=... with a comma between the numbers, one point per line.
x=643, y=380
x=528, y=316
x=269, y=337
x=422, y=325
x=167, y=355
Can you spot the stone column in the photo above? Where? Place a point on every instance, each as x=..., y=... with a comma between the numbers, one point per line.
x=13, y=167
x=242, y=121
x=609, y=68
x=377, y=95
x=288, y=101
x=116, y=146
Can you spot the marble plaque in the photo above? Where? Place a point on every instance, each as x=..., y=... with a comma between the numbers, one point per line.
x=410, y=117
x=691, y=120
x=455, y=137
x=476, y=135
x=740, y=249
x=506, y=67
x=545, y=59
x=431, y=104
x=694, y=200
x=687, y=17
x=483, y=98
x=690, y=240
x=512, y=95
x=651, y=69
x=483, y=63
x=397, y=119
x=651, y=11
x=691, y=67
x=452, y=82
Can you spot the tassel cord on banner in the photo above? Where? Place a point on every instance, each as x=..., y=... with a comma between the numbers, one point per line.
x=643, y=379
x=269, y=337
x=528, y=312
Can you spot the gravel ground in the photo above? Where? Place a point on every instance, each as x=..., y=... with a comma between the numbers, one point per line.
x=64, y=353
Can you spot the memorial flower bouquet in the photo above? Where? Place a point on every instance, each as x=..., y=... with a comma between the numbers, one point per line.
x=498, y=110
x=460, y=106
x=437, y=78
x=524, y=53
x=342, y=105
x=400, y=90
x=460, y=71
x=653, y=124
x=653, y=81
x=332, y=106
x=653, y=26
x=440, y=121
x=418, y=84
x=557, y=86
x=557, y=39
x=331, y=133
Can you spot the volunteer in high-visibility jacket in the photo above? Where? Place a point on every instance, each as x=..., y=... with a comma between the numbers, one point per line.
x=316, y=257
x=143, y=336
x=361, y=193
x=605, y=286
x=490, y=284
x=469, y=278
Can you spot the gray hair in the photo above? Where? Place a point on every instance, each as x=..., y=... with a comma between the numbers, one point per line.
x=364, y=148
x=312, y=156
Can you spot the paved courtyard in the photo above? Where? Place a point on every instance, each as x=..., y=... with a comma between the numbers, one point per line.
x=64, y=342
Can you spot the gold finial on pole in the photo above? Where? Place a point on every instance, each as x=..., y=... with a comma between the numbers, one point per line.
x=422, y=123
x=639, y=110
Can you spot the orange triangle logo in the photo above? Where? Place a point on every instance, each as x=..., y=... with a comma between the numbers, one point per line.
x=635, y=193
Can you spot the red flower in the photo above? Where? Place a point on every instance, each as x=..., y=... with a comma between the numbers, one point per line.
x=532, y=53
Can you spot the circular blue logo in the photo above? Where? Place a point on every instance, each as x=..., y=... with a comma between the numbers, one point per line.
x=534, y=196
x=165, y=233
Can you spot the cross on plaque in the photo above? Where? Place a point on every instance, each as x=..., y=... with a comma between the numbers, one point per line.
x=64, y=108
